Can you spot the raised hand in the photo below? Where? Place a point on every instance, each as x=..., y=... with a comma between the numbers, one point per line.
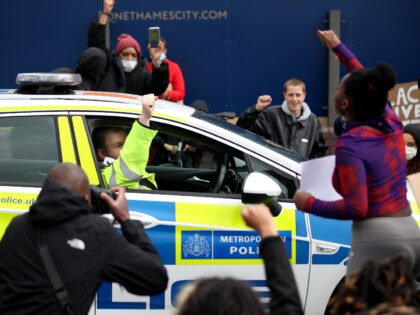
x=155, y=54
x=259, y=218
x=108, y=6
x=328, y=38
x=262, y=102
x=300, y=198
x=148, y=108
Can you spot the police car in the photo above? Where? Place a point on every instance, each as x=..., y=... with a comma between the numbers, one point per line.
x=194, y=217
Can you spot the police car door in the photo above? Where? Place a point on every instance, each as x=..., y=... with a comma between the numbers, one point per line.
x=194, y=217
x=29, y=148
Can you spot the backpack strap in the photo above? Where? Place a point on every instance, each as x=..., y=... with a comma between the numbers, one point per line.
x=55, y=279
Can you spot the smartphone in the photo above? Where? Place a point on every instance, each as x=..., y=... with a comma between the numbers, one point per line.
x=154, y=36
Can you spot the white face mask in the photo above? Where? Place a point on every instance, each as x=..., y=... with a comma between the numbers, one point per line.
x=410, y=153
x=129, y=65
x=108, y=161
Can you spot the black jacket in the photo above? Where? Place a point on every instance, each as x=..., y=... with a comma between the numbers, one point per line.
x=139, y=81
x=86, y=250
x=284, y=294
x=302, y=136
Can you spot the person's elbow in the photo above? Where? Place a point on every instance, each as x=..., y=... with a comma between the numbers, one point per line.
x=162, y=279
x=159, y=279
x=151, y=281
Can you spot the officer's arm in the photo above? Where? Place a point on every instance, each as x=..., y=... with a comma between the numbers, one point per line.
x=130, y=167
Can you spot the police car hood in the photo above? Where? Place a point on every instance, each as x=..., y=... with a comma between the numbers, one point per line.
x=56, y=204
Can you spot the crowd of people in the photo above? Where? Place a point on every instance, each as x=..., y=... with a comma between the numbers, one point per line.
x=127, y=70
x=374, y=153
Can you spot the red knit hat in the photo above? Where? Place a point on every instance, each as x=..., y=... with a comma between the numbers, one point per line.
x=124, y=41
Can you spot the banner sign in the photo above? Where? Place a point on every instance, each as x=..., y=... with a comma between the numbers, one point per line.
x=405, y=100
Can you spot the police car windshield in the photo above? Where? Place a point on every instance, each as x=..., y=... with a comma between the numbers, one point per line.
x=247, y=134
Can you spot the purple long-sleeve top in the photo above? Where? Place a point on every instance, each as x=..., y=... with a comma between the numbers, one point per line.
x=370, y=164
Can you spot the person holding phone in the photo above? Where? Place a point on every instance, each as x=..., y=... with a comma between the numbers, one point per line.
x=176, y=88
x=125, y=69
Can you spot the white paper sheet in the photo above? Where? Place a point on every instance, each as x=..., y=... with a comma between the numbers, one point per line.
x=317, y=178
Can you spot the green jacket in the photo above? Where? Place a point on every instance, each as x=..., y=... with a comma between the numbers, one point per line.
x=130, y=167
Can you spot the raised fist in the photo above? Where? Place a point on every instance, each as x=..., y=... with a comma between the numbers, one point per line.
x=262, y=102
x=108, y=6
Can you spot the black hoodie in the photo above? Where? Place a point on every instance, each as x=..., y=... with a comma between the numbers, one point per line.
x=86, y=250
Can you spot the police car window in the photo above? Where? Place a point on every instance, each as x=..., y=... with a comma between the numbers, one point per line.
x=192, y=163
x=184, y=161
x=28, y=149
x=287, y=183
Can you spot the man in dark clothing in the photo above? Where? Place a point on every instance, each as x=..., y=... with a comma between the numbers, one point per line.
x=85, y=249
x=125, y=70
x=91, y=66
x=291, y=125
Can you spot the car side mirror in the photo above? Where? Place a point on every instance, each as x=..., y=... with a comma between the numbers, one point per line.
x=261, y=188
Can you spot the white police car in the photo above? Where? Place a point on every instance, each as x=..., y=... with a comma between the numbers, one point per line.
x=194, y=217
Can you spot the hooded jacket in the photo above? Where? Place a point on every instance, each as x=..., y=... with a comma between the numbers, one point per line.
x=301, y=135
x=86, y=250
x=140, y=81
x=91, y=66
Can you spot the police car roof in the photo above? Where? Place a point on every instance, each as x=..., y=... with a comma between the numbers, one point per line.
x=88, y=100
x=16, y=99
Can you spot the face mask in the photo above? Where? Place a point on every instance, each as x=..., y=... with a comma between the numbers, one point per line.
x=410, y=153
x=108, y=161
x=129, y=65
